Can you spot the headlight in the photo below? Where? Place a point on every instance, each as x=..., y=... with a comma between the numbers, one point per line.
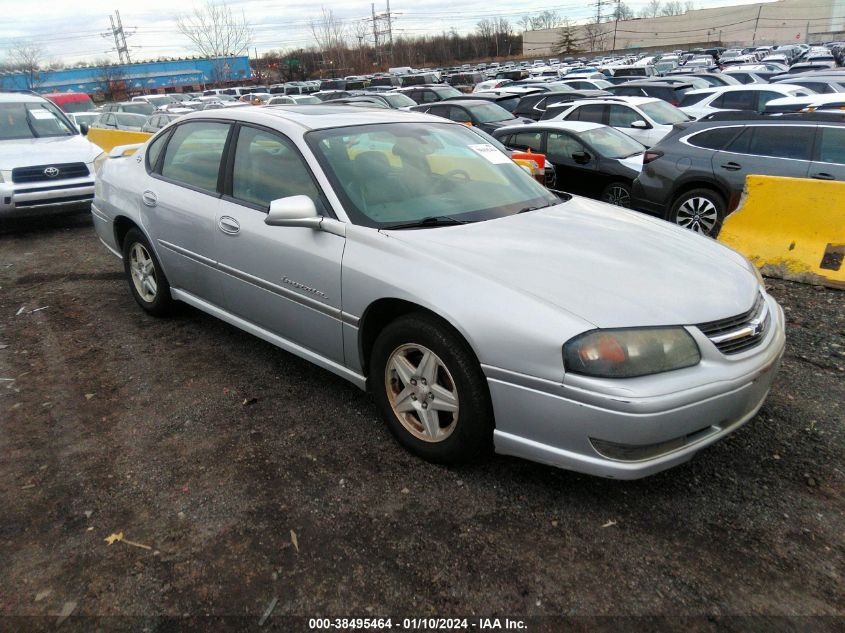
x=98, y=162
x=629, y=353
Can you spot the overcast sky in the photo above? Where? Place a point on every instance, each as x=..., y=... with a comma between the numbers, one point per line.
x=70, y=31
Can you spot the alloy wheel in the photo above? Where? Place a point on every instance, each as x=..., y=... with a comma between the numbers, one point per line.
x=421, y=392
x=143, y=272
x=698, y=214
x=618, y=195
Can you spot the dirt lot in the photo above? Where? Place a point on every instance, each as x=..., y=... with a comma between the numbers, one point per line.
x=213, y=448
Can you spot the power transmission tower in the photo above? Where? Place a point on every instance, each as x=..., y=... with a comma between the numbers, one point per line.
x=119, y=34
x=598, y=6
x=382, y=32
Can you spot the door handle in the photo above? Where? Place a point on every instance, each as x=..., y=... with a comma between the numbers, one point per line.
x=228, y=225
x=823, y=176
x=732, y=166
x=149, y=198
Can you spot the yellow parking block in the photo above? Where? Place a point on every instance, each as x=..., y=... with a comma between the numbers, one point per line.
x=792, y=228
x=109, y=139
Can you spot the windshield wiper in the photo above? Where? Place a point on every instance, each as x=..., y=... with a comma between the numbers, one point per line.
x=541, y=206
x=442, y=220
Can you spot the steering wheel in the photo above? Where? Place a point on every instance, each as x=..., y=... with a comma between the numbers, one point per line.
x=451, y=177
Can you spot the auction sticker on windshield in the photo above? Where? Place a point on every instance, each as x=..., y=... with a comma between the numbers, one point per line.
x=41, y=114
x=490, y=153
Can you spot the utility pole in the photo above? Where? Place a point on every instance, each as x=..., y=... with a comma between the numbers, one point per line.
x=616, y=22
x=382, y=32
x=756, y=22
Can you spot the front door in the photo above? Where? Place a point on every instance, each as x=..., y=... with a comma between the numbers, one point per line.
x=283, y=279
x=575, y=167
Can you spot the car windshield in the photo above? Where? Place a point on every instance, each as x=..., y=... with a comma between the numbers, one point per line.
x=446, y=93
x=138, y=107
x=489, y=112
x=663, y=114
x=403, y=173
x=612, y=143
x=305, y=100
x=32, y=120
x=399, y=100
x=130, y=120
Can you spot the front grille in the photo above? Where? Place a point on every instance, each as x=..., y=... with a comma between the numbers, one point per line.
x=36, y=172
x=741, y=332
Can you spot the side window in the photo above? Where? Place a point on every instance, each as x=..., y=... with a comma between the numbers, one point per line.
x=593, y=113
x=622, y=116
x=741, y=143
x=782, y=142
x=832, y=145
x=527, y=140
x=764, y=96
x=267, y=167
x=716, y=138
x=560, y=147
x=438, y=111
x=459, y=114
x=629, y=92
x=154, y=151
x=428, y=96
x=194, y=152
x=736, y=100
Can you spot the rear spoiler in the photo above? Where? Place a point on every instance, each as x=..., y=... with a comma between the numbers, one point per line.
x=124, y=150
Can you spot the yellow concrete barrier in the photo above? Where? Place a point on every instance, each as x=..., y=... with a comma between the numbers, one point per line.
x=792, y=228
x=109, y=139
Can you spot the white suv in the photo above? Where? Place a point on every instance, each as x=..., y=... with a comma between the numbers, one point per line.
x=45, y=164
x=644, y=119
x=751, y=97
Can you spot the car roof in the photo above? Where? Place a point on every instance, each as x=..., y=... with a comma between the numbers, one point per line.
x=316, y=117
x=753, y=87
x=18, y=97
x=609, y=100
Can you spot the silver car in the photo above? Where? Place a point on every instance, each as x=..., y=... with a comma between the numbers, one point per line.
x=405, y=254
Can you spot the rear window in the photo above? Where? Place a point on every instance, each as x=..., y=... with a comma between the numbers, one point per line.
x=489, y=112
x=663, y=114
x=717, y=138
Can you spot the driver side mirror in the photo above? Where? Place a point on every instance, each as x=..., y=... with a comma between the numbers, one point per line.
x=83, y=129
x=582, y=158
x=293, y=211
x=639, y=124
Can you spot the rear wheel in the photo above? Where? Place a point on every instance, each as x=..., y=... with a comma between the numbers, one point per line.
x=430, y=390
x=617, y=193
x=699, y=210
x=146, y=279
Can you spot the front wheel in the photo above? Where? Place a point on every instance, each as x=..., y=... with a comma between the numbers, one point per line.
x=146, y=278
x=699, y=210
x=430, y=390
x=617, y=193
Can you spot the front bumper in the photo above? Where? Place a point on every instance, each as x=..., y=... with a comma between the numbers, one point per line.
x=626, y=437
x=29, y=199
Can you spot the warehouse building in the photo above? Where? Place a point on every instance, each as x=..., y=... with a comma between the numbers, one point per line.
x=765, y=23
x=176, y=75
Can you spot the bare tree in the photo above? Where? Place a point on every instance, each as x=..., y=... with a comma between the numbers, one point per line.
x=112, y=79
x=547, y=20
x=673, y=7
x=27, y=58
x=215, y=31
x=622, y=12
x=595, y=35
x=651, y=10
x=330, y=34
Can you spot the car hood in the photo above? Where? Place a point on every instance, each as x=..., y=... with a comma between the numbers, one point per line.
x=611, y=267
x=633, y=162
x=47, y=151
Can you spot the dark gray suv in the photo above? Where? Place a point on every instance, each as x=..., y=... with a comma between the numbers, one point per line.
x=695, y=175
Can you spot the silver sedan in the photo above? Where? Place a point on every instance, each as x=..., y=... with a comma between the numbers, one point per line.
x=482, y=312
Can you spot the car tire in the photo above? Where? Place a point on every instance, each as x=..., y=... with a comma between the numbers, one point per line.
x=618, y=194
x=429, y=388
x=147, y=281
x=699, y=210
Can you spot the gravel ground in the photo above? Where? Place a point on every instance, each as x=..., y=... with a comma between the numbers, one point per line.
x=213, y=449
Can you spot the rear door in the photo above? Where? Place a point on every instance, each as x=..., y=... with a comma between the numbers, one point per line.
x=773, y=150
x=180, y=201
x=829, y=159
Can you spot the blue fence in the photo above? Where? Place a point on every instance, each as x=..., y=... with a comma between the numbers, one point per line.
x=143, y=76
